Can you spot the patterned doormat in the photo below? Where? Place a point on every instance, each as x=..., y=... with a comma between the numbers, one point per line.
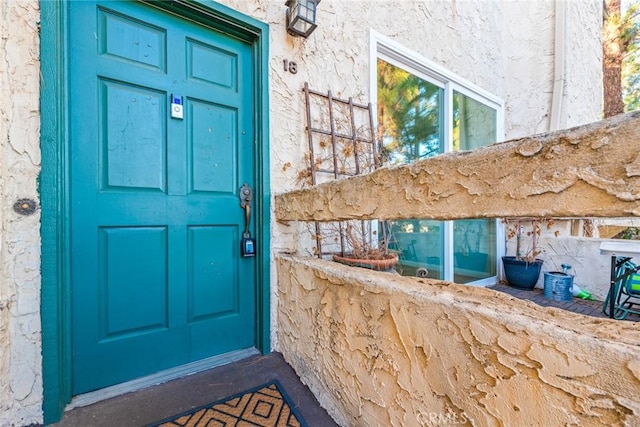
x=265, y=406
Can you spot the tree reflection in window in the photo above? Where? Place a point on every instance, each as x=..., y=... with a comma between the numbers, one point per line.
x=410, y=119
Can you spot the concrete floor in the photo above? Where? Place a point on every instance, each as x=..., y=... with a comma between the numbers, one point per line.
x=158, y=402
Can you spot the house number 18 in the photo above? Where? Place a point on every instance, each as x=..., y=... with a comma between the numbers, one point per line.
x=290, y=66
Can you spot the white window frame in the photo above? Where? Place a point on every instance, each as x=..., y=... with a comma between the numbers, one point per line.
x=387, y=49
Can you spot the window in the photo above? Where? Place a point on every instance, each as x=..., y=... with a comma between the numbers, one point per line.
x=424, y=110
x=409, y=115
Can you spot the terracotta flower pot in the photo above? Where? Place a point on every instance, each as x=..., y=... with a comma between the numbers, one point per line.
x=372, y=264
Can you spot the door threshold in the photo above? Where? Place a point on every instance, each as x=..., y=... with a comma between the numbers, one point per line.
x=160, y=377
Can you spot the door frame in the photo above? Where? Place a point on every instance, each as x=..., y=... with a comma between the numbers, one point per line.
x=54, y=181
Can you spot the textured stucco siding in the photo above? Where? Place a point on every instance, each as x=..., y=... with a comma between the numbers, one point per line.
x=530, y=71
x=386, y=350
x=20, y=339
x=590, y=170
x=582, y=101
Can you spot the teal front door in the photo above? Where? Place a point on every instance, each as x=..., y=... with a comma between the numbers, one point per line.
x=157, y=279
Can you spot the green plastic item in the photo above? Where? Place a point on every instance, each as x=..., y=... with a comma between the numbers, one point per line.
x=585, y=295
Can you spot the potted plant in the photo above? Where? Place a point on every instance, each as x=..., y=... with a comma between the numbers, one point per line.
x=365, y=249
x=523, y=269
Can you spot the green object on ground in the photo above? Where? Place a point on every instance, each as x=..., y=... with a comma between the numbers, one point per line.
x=585, y=295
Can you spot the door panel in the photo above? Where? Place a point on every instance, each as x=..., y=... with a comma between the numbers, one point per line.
x=157, y=280
x=202, y=57
x=133, y=280
x=133, y=136
x=207, y=301
x=212, y=162
x=131, y=40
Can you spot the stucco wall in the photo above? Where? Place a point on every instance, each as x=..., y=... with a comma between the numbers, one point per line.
x=20, y=340
x=529, y=46
x=382, y=349
x=582, y=101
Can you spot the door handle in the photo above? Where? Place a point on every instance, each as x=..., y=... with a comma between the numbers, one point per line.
x=248, y=245
x=246, y=195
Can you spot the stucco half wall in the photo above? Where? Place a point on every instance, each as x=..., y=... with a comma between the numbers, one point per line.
x=382, y=349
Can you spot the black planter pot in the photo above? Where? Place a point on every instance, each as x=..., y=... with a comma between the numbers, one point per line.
x=521, y=274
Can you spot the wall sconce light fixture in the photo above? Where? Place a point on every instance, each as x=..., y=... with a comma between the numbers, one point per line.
x=301, y=17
